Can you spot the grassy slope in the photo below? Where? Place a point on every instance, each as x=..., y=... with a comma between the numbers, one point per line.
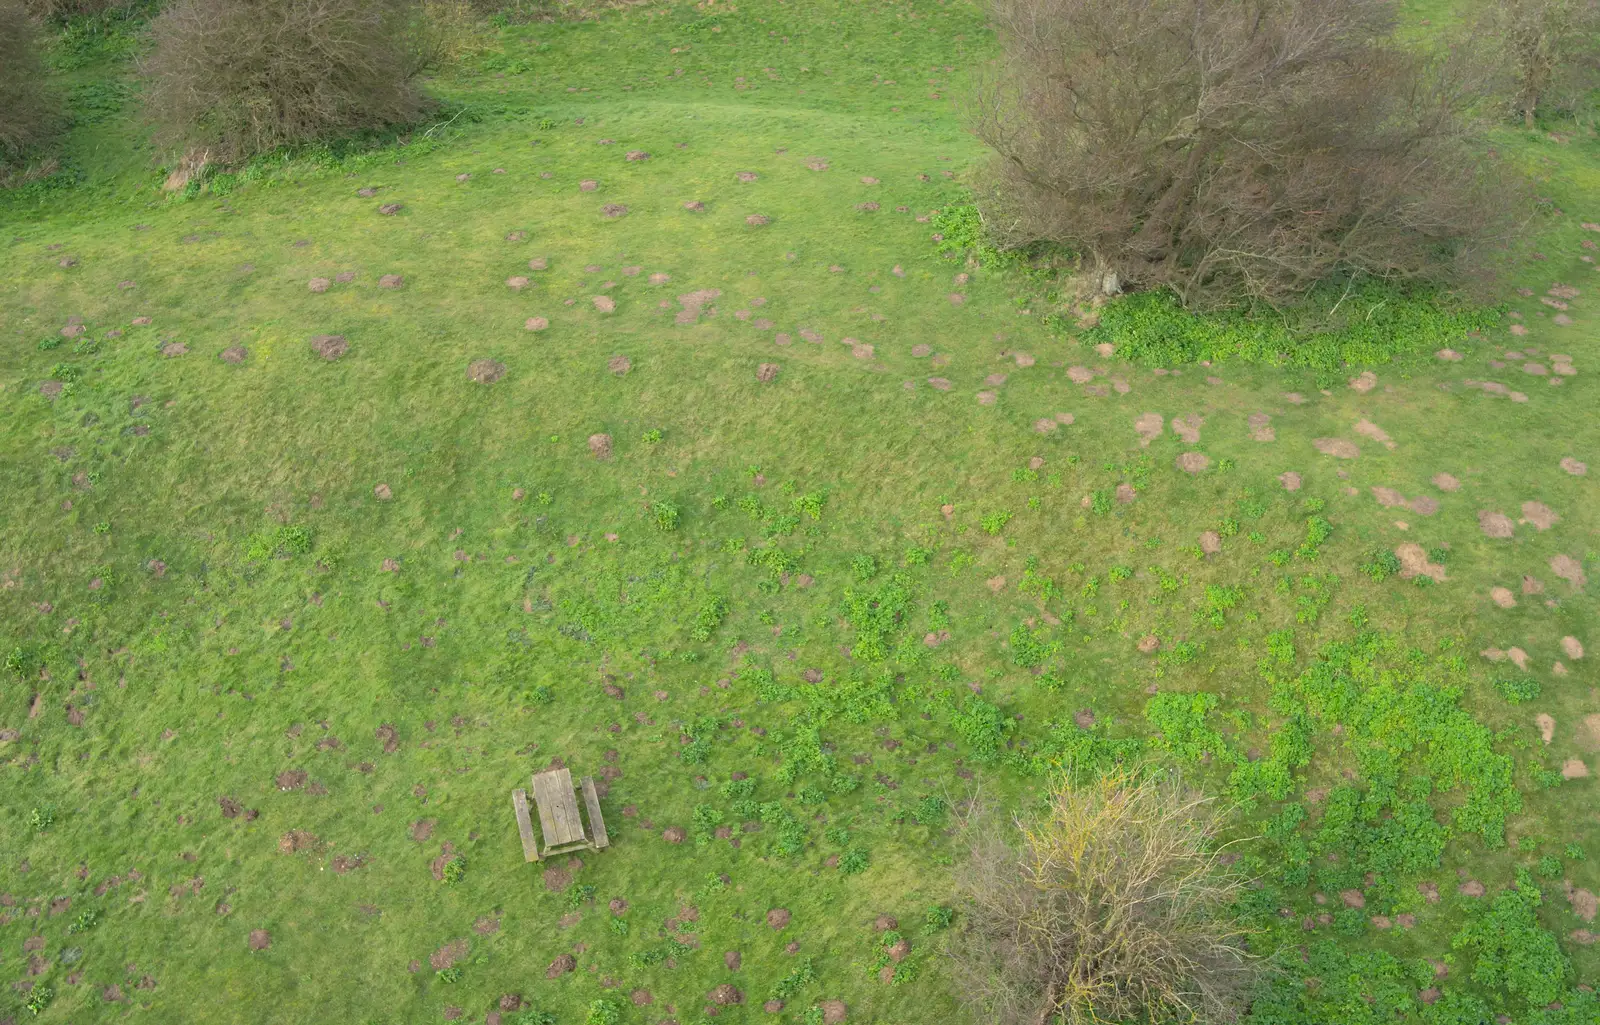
x=184, y=678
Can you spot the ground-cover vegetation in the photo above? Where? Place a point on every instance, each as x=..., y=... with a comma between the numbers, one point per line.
x=654, y=407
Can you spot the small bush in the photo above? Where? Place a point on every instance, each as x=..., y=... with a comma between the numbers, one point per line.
x=1227, y=153
x=230, y=78
x=1112, y=905
x=29, y=112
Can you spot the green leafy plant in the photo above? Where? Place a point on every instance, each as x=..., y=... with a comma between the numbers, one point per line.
x=1517, y=689
x=1512, y=951
x=665, y=515
x=602, y=1012
x=994, y=522
x=450, y=974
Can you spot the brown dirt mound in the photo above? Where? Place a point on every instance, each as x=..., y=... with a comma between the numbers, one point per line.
x=1368, y=429
x=390, y=209
x=389, y=737
x=1568, y=569
x=1574, y=466
x=1290, y=480
x=1495, y=524
x=600, y=446
x=1584, y=903
x=295, y=841
x=1210, y=542
x=1365, y=382
x=778, y=918
x=319, y=284
x=486, y=371
x=1572, y=647
x=1125, y=493
x=291, y=779
x=391, y=281
x=488, y=925
x=1574, y=768
x=557, y=879
x=421, y=830
x=535, y=324
x=614, y=210
x=833, y=1011
x=1149, y=643
x=1148, y=426
x=757, y=220
x=561, y=966
x=260, y=939
x=1540, y=515
x=1414, y=561
x=674, y=835
x=1193, y=462
x=234, y=354
x=1502, y=597
x=725, y=995
x=938, y=384
x=771, y=1006
x=329, y=347
x=1261, y=427
x=642, y=998
x=766, y=372
x=816, y=163
x=172, y=349
x=1188, y=428
x=588, y=185
x=1336, y=447
x=619, y=365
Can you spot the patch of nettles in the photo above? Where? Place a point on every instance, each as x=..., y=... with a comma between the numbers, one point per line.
x=1339, y=324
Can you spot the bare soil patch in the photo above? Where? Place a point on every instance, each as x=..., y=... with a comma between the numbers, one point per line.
x=767, y=372
x=1188, y=427
x=260, y=939
x=486, y=371
x=1261, y=427
x=1193, y=462
x=619, y=365
x=235, y=354
x=1336, y=447
x=1148, y=427
x=329, y=347
x=1495, y=524
x=1540, y=515
x=778, y=918
x=600, y=446
x=1568, y=569
x=1574, y=467
x=1414, y=562
x=1445, y=482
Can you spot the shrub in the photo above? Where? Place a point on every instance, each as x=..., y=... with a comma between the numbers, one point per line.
x=1230, y=153
x=1547, y=47
x=1111, y=906
x=29, y=113
x=229, y=78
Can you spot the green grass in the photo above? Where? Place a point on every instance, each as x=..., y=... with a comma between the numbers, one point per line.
x=205, y=590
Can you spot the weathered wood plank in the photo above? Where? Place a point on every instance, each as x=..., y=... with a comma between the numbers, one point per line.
x=530, y=846
x=558, y=807
x=544, y=800
x=571, y=820
x=597, y=825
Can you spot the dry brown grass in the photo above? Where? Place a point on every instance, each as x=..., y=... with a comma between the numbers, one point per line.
x=1236, y=151
x=236, y=77
x=1112, y=906
x=29, y=113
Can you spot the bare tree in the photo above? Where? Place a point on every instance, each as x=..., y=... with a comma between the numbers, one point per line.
x=29, y=113
x=1111, y=906
x=1549, y=47
x=1234, y=152
x=230, y=78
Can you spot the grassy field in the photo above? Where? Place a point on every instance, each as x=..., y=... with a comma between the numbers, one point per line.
x=789, y=527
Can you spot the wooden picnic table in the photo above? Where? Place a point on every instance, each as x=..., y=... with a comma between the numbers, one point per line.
x=555, y=799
